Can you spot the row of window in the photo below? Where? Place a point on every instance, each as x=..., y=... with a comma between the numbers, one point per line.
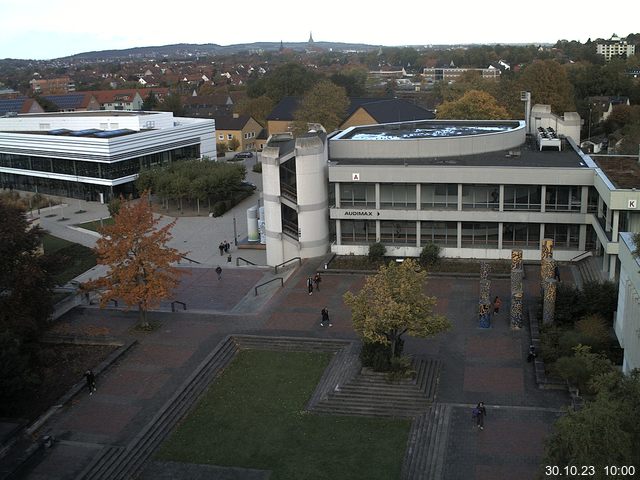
x=230, y=136
x=445, y=196
x=473, y=234
x=109, y=171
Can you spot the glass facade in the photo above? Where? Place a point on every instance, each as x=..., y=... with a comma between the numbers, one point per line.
x=561, y=198
x=522, y=235
x=444, y=234
x=480, y=235
x=398, y=232
x=439, y=196
x=480, y=197
x=357, y=195
x=564, y=236
x=358, y=232
x=398, y=195
x=522, y=197
x=288, y=185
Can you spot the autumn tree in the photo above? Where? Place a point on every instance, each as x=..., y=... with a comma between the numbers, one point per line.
x=473, y=105
x=325, y=103
x=258, y=108
x=549, y=84
x=392, y=303
x=141, y=271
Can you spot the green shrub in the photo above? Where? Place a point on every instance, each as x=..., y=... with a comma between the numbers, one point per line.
x=257, y=167
x=114, y=206
x=376, y=356
x=600, y=298
x=219, y=208
x=399, y=368
x=581, y=368
x=377, y=252
x=430, y=254
x=595, y=329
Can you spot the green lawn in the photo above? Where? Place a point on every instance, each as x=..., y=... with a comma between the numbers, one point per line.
x=76, y=259
x=253, y=417
x=96, y=224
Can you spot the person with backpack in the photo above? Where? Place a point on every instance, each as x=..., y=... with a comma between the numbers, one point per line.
x=478, y=414
x=316, y=281
x=325, y=317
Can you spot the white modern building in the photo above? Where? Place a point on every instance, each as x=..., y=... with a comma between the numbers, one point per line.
x=478, y=189
x=95, y=155
x=615, y=47
x=627, y=317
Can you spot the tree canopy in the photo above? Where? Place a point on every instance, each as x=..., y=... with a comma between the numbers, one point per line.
x=326, y=103
x=473, y=105
x=141, y=271
x=549, y=84
x=604, y=432
x=288, y=79
x=392, y=303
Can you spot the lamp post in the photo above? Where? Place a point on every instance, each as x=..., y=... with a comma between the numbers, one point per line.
x=589, y=124
x=235, y=232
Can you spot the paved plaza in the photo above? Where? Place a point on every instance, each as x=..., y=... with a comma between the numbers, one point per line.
x=477, y=364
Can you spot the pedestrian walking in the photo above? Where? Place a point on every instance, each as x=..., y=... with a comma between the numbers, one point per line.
x=316, y=281
x=91, y=381
x=325, y=317
x=226, y=247
x=497, y=303
x=556, y=273
x=478, y=414
x=221, y=248
x=532, y=354
x=310, y=285
x=219, y=272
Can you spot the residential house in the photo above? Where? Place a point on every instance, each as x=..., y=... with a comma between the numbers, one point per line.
x=452, y=73
x=601, y=107
x=129, y=99
x=208, y=105
x=14, y=106
x=52, y=86
x=243, y=128
x=74, y=102
x=361, y=111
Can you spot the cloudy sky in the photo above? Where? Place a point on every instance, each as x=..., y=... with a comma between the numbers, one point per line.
x=43, y=29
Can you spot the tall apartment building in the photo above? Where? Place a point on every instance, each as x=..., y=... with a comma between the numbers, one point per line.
x=615, y=47
x=52, y=86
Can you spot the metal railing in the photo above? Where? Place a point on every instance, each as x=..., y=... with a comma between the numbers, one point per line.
x=582, y=256
x=266, y=283
x=244, y=260
x=275, y=269
x=190, y=259
x=173, y=305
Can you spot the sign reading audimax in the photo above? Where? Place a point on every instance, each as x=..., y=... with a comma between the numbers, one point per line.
x=361, y=213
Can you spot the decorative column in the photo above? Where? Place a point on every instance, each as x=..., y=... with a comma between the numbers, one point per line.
x=484, y=303
x=546, y=261
x=517, y=290
x=549, y=301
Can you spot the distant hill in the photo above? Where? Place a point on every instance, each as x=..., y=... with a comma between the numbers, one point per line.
x=190, y=49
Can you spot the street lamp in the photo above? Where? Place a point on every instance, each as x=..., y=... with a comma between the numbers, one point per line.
x=589, y=124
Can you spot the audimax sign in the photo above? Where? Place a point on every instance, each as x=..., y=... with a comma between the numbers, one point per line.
x=361, y=213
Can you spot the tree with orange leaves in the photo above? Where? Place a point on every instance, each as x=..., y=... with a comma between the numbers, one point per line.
x=141, y=271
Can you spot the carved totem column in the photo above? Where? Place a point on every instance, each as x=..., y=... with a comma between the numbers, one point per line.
x=517, y=290
x=484, y=303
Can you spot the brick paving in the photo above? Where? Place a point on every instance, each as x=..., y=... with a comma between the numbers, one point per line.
x=477, y=364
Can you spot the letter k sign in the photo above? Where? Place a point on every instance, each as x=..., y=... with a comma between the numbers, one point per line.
x=633, y=204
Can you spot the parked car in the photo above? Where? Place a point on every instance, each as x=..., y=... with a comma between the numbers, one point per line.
x=243, y=155
x=248, y=184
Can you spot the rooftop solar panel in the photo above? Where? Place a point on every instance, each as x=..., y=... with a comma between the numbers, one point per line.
x=66, y=101
x=59, y=131
x=11, y=105
x=83, y=133
x=114, y=133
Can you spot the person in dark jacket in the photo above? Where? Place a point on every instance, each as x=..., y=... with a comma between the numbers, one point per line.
x=479, y=413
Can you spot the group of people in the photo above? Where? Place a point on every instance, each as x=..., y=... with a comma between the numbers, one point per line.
x=224, y=247
x=314, y=282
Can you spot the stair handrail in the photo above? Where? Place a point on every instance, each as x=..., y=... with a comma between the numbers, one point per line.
x=190, y=259
x=287, y=261
x=586, y=254
x=265, y=283
x=244, y=260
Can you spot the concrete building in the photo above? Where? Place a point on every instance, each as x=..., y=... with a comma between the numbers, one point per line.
x=477, y=189
x=242, y=128
x=627, y=317
x=451, y=74
x=615, y=47
x=95, y=155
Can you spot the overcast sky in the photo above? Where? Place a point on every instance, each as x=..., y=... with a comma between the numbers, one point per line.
x=43, y=29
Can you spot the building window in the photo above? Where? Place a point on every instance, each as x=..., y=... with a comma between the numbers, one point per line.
x=481, y=197
x=521, y=235
x=357, y=195
x=398, y=232
x=560, y=198
x=592, y=200
x=444, y=234
x=439, y=196
x=563, y=236
x=229, y=136
x=398, y=195
x=480, y=235
x=358, y=232
x=289, y=221
x=522, y=197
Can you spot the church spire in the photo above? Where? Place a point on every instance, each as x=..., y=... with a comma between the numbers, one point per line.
x=310, y=37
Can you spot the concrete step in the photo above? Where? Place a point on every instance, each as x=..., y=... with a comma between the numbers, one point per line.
x=369, y=411
x=426, y=446
x=344, y=366
x=290, y=343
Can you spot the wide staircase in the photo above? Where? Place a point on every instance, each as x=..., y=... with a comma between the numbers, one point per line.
x=588, y=270
x=370, y=393
x=426, y=447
